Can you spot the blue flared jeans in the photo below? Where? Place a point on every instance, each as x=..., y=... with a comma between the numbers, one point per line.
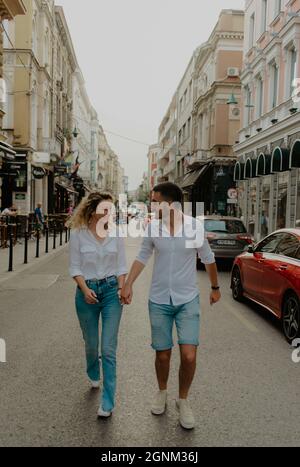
x=110, y=310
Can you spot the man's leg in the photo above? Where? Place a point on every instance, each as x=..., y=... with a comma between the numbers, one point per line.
x=162, y=366
x=162, y=321
x=187, y=369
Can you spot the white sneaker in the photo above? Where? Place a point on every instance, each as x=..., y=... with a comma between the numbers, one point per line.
x=95, y=384
x=186, y=416
x=103, y=414
x=159, y=403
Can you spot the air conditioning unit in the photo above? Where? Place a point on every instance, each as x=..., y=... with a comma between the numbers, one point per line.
x=234, y=112
x=233, y=71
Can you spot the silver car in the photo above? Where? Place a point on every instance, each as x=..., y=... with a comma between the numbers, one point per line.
x=227, y=236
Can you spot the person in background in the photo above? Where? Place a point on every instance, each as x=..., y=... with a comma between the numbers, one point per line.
x=70, y=209
x=39, y=217
x=12, y=212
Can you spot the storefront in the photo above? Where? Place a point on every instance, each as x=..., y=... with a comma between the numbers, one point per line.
x=270, y=184
x=208, y=184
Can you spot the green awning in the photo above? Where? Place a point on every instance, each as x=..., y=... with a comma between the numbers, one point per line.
x=239, y=170
x=263, y=165
x=250, y=168
x=295, y=155
x=280, y=160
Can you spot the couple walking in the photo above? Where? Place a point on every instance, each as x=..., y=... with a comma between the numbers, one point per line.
x=98, y=265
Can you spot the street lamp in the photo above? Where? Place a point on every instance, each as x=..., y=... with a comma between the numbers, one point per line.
x=75, y=132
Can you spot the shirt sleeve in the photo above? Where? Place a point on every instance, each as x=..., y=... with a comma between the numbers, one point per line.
x=147, y=247
x=74, y=255
x=122, y=262
x=206, y=254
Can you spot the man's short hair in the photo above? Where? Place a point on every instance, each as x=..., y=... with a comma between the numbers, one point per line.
x=170, y=192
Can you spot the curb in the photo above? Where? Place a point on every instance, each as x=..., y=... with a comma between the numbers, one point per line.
x=45, y=259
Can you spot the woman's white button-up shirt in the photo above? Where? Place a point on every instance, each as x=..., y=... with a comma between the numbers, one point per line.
x=95, y=259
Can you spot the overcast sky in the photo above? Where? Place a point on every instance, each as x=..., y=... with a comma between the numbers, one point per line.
x=133, y=54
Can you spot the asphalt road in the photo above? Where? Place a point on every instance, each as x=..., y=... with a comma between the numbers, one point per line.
x=246, y=392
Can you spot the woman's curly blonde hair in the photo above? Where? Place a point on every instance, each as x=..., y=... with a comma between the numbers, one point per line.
x=86, y=209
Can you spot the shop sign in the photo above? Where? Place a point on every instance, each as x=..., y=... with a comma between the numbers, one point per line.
x=38, y=172
x=232, y=193
x=41, y=158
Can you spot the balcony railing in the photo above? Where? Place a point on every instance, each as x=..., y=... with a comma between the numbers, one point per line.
x=268, y=120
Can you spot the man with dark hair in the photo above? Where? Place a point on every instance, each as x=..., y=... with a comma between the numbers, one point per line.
x=174, y=296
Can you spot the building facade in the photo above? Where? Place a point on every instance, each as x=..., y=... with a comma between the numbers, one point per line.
x=49, y=120
x=153, y=159
x=268, y=149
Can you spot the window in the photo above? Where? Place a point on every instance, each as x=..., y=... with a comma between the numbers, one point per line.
x=274, y=86
x=288, y=246
x=260, y=96
x=277, y=7
x=293, y=70
x=220, y=226
x=251, y=31
x=264, y=12
x=269, y=244
x=248, y=94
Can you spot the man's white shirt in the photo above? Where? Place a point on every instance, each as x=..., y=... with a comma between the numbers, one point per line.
x=175, y=265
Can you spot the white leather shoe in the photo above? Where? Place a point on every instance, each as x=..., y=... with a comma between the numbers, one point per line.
x=186, y=417
x=103, y=414
x=95, y=384
x=159, y=403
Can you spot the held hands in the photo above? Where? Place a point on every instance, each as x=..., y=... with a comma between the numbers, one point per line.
x=215, y=297
x=127, y=294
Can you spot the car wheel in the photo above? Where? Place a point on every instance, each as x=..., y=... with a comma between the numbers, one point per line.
x=236, y=285
x=291, y=317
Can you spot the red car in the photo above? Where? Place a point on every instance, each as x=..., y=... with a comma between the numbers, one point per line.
x=269, y=274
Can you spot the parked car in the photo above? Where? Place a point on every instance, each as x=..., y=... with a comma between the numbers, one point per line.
x=227, y=236
x=269, y=274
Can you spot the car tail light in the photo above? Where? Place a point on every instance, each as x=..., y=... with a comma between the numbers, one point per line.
x=245, y=238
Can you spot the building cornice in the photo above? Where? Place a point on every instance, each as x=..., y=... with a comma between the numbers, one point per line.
x=11, y=8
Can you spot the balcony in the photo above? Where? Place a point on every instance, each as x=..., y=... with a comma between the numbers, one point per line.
x=170, y=167
x=169, y=145
x=279, y=115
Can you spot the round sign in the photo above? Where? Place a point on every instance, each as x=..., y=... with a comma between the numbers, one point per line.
x=38, y=172
x=232, y=193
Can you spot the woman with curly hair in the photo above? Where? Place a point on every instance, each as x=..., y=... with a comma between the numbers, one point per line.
x=98, y=265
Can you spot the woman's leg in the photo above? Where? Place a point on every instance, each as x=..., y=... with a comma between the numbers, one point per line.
x=88, y=316
x=111, y=310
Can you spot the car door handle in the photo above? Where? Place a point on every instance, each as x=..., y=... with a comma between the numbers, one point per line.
x=282, y=267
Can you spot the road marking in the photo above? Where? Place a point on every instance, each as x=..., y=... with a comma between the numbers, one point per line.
x=243, y=320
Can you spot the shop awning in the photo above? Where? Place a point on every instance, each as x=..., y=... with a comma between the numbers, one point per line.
x=263, y=165
x=250, y=168
x=280, y=160
x=67, y=188
x=295, y=155
x=7, y=151
x=189, y=179
x=239, y=171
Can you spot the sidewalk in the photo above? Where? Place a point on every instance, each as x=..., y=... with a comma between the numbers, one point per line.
x=18, y=256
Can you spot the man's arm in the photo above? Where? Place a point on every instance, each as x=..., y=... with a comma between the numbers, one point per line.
x=127, y=291
x=138, y=266
x=212, y=271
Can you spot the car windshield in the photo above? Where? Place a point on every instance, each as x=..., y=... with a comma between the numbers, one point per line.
x=225, y=226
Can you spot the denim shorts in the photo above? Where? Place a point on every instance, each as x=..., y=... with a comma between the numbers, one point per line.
x=186, y=318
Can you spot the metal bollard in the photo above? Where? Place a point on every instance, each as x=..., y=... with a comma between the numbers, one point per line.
x=11, y=250
x=61, y=236
x=66, y=235
x=37, y=244
x=26, y=247
x=47, y=239
x=54, y=238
